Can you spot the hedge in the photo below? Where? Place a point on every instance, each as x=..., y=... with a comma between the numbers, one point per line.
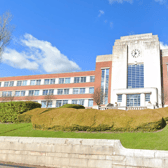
x=9, y=111
x=64, y=119
x=76, y=106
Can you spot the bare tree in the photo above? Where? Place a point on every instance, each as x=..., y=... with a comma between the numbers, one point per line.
x=29, y=98
x=7, y=98
x=5, y=31
x=98, y=96
x=48, y=99
x=164, y=97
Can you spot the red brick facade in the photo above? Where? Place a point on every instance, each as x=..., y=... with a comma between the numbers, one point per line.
x=97, y=83
x=165, y=80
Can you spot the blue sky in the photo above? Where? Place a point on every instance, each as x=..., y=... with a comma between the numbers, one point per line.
x=54, y=36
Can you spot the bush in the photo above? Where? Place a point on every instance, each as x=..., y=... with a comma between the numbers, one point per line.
x=63, y=119
x=9, y=111
x=76, y=106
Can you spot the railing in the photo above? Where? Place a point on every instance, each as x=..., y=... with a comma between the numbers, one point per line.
x=123, y=108
x=136, y=108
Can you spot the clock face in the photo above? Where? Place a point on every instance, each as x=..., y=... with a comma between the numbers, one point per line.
x=135, y=53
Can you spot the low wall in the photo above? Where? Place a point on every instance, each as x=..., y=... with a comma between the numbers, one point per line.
x=78, y=153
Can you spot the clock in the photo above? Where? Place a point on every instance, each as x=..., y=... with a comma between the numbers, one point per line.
x=135, y=53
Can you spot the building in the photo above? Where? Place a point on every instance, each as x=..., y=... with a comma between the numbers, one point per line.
x=134, y=75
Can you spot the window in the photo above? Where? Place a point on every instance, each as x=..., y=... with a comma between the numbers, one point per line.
x=38, y=82
x=51, y=91
x=22, y=93
x=133, y=100
x=61, y=102
x=66, y=91
x=82, y=90
x=7, y=94
x=78, y=101
x=17, y=93
x=104, y=85
x=75, y=91
x=81, y=102
x=43, y=103
x=32, y=82
x=76, y=79
x=91, y=90
x=19, y=83
x=119, y=98
x=24, y=83
x=79, y=79
x=65, y=102
x=135, y=76
x=92, y=78
x=45, y=92
x=74, y=101
x=52, y=81
x=67, y=80
x=61, y=80
x=0, y=84
x=11, y=83
x=50, y=103
x=83, y=79
x=31, y=92
x=147, y=97
x=90, y=103
x=36, y=92
x=46, y=81
x=59, y=91
x=6, y=84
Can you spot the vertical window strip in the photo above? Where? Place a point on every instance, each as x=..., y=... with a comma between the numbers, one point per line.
x=104, y=86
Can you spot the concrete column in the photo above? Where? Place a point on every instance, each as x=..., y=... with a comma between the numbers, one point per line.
x=2, y=84
x=40, y=92
x=87, y=90
x=42, y=81
x=142, y=103
x=15, y=83
x=71, y=91
x=87, y=78
x=86, y=101
x=72, y=80
x=28, y=82
x=56, y=80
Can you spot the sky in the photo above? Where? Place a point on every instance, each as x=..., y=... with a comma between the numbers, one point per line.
x=56, y=36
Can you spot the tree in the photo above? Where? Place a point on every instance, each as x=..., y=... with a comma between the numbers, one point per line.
x=5, y=31
x=8, y=98
x=48, y=99
x=98, y=96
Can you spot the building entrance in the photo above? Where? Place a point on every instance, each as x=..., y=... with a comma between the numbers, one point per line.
x=133, y=100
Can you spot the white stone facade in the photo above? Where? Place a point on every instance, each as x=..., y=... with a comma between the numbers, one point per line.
x=132, y=50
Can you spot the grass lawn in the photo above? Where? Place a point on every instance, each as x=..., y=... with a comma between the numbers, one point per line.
x=135, y=140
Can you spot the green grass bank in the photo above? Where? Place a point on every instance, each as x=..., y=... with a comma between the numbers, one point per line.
x=134, y=140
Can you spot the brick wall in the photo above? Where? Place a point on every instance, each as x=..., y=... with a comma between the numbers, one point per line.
x=97, y=84
x=165, y=79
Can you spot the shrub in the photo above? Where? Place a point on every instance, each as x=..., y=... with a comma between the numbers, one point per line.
x=63, y=119
x=9, y=111
x=76, y=106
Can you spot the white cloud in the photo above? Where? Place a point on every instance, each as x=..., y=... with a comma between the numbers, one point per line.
x=161, y=1
x=41, y=55
x=101, y=12
x=163, y=46
x=120, y=1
